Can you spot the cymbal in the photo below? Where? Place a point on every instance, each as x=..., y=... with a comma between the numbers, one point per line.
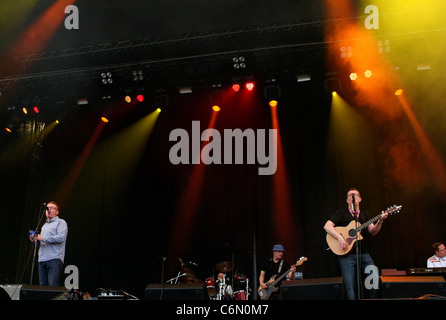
x=224, y=266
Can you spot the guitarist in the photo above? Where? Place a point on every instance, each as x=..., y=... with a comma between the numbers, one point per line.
x=348, y=262
x=275, y=266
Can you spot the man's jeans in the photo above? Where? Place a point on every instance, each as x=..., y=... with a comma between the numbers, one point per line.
x=348, y=270
x=49, y=272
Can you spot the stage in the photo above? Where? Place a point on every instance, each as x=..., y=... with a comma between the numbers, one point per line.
x=185, y=139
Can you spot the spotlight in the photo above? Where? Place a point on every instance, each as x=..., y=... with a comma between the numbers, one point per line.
x=303, y=77
x=249, y=86
x=128, y=99
x=138, y=75
x=399, y=92
x=353, y=76
x=273, y=103
x=106, y=78
x=140, y=97
x=236, y=87
x=216, y=108
x=272, y=93
x=346, y=52
x=239, y=62
x=24, y=110
x=368, y=73
x=36, y=109
x=104, y=119
x=158, y=109
x=185, y=90
x=334, y=93
x=8, y=130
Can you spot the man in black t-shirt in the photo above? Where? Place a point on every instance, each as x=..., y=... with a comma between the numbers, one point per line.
x=275, y=266
x=348, y=262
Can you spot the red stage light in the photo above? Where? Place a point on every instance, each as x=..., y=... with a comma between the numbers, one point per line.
x=36, y=109
x=249, y=86
x=236, y=87
x=140, y=97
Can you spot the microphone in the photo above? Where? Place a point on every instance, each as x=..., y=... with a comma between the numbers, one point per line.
x=353, y=203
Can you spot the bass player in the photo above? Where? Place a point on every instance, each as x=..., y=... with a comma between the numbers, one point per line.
x=276, y=266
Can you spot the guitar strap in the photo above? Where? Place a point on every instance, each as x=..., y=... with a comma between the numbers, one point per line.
x=280, y=267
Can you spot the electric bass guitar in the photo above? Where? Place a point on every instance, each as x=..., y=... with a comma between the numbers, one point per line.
x=352, y=232
x=264, y=294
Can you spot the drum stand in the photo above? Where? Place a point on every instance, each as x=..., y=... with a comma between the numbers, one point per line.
x=171, y=281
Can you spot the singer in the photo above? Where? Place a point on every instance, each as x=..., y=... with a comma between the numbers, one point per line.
x=51, y=242
x=349, y=262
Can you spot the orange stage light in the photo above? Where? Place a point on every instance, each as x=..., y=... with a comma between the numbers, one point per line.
x=273, y=103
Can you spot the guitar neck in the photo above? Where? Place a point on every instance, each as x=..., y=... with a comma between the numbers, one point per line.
x=281, y=277
x=366, y=224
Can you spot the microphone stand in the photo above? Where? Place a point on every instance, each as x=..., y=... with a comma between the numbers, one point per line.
x=358, y=267
x=35, y=243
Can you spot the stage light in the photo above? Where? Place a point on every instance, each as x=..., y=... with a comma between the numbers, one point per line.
x=249, y=86
x=236, y=87
x=106, y=77
x=185, y=90
x=353, y=76
x=140, y=97
x=57, y=121
x=8, y=130
x=334, y=93
x=24, y=110
x=346, y=52
x=303, y=77
x=273, y=103
x=138, y=75
x=239, y=62
x=128, y=99
x=399, y=92
x=216, y=108
x=104, y=119
x=158, y=109
x=368, y=73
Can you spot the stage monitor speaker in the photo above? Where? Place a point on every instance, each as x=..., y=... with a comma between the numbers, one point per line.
x=313, y=289
x=402, y=287
x=175, y=292
x=40, y=292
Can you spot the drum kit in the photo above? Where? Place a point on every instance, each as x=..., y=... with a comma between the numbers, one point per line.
x=226, y=285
